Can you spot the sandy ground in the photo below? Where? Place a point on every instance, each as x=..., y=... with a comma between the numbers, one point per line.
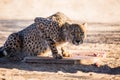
x=101, y=38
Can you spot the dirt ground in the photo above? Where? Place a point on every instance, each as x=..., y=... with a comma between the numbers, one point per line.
x=101, y=38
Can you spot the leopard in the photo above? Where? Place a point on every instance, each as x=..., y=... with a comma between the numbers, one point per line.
x=44, y=33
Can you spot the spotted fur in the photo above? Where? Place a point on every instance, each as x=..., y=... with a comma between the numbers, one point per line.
x=43, y=34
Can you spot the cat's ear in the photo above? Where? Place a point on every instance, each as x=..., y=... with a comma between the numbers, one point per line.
x=85, y=25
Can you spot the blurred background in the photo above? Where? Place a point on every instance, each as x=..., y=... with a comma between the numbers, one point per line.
x=104, y=11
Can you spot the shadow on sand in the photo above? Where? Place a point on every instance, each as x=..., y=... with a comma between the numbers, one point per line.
x=4, y=63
